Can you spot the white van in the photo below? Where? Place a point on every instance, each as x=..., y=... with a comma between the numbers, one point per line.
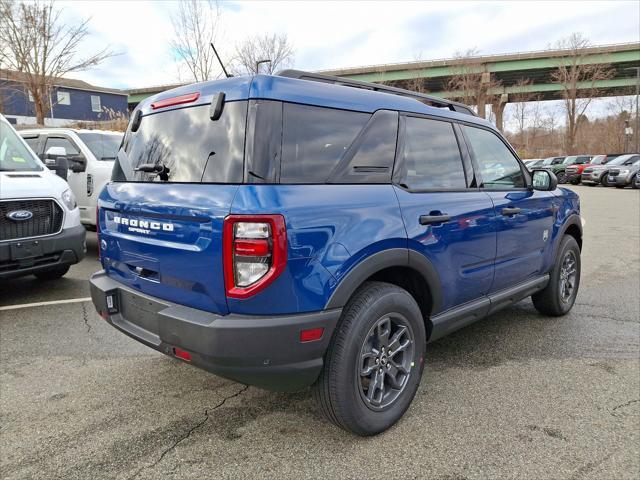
x=40, y=229
x=90, y=155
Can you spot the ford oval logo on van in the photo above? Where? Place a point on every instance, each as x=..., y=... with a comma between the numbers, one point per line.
x=19, y=215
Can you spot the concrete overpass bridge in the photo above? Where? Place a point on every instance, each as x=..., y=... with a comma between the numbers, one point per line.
x=508, y=70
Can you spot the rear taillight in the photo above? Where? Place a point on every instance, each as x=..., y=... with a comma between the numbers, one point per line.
x=255, y=252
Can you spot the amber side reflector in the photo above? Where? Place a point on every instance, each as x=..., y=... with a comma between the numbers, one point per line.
x=179, y=100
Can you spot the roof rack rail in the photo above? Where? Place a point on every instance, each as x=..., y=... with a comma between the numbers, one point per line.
x=421, y=97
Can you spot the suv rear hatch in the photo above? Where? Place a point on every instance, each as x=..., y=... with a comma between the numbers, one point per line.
x=161, y=218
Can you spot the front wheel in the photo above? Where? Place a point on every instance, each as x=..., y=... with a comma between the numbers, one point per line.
x=562, y=177
x=575, y=182
x=635, y=183
x=558, y=297
x=374, y=363
x=605, y=180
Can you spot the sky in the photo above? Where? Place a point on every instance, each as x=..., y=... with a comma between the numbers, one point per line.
x=332, y=34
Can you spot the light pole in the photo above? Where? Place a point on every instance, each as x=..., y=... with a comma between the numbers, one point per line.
x=637, y=132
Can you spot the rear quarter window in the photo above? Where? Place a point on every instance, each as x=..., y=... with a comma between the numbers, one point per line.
x=314, y=140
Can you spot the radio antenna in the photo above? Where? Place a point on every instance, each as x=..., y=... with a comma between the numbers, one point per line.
x=220, y=61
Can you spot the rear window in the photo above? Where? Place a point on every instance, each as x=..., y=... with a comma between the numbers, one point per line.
x=314, y=140
x=187, y=146
x=104, y=146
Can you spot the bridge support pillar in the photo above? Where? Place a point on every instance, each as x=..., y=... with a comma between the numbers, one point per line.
x=498, y=110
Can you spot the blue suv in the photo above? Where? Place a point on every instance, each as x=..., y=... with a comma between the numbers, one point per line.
x=300, y=229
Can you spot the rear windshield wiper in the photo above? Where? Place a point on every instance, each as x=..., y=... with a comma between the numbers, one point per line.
x=159, y=169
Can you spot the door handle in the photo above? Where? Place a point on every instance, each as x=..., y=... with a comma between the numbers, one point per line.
x=431, y=219
x=511, y=211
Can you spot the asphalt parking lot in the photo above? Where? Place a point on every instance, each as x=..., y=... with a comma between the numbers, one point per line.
x=514, y=396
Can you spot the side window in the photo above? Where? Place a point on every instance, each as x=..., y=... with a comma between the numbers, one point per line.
x=314, y=140
x=498, y=167
x=32, y=142
x=431, y=157
x=370, y=157
x=67, y=144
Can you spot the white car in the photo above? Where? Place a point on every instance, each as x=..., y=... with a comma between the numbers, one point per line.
x=40, y=229
x=90, y=155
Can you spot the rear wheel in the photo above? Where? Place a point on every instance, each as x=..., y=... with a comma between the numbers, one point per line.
x=559, y=295
x=53, y=274
x=575, y=182
x=374, y=362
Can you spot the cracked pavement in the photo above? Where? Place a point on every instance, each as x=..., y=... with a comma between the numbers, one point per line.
x=514, y=396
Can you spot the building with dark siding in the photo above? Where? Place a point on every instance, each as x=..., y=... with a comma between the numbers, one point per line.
x=71, y=101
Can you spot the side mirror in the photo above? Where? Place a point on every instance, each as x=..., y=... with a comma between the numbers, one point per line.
x=54, y=152
x=544, y=180
x=78, y=164
x=61, y=167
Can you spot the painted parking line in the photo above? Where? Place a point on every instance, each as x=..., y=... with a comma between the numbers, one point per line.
x=42, y=304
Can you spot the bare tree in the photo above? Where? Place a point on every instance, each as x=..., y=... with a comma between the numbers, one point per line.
x=195, y=26
x=470, y=82
x=522, y=109
x=35, y=42
x=578, y=79
x=273, y=47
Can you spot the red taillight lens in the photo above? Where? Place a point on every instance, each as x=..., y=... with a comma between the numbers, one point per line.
x=255, y=252
x=179, y=100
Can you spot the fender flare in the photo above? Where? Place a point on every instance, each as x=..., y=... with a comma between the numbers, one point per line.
x=573, y=219
x=394, y=257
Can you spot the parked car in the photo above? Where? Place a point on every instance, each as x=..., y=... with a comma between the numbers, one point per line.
x=264, y=228
x=552, y=163
x=574, y=172
x=40, y=230
x=559, y=168
x=625, y=174
x=534, y=163
x=595, y=174
x=90, y=154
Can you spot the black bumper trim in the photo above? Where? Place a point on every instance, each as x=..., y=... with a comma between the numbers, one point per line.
x=65, y=248
x=264, y=351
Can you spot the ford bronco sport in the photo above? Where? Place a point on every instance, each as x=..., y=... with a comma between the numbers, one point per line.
x=300, y=229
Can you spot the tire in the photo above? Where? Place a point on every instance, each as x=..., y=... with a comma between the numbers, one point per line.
x=52, y=274
x=635, y=183
x=553, y=299
x=604, y=181
x=342, y=392
x=575, y=182
x=562, y=177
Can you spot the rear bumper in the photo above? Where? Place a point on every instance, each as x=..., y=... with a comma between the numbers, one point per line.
x=66, y=248
x=264, y=351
